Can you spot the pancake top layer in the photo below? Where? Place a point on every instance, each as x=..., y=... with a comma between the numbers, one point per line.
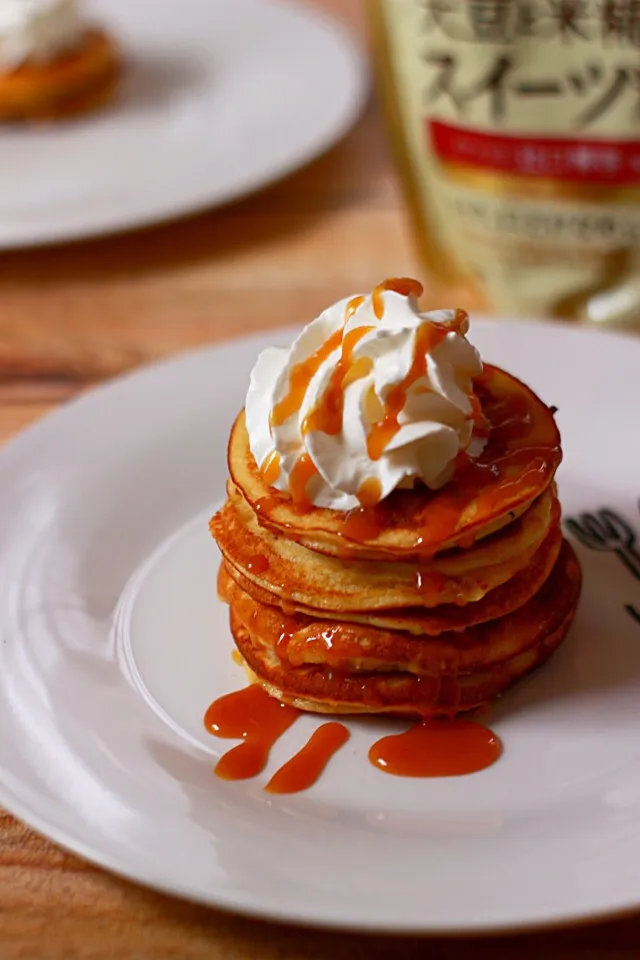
x=518, y=463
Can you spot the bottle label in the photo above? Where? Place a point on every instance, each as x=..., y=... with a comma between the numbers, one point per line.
x=521, y=121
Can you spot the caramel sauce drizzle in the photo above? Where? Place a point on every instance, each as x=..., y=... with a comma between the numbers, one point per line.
x=327, y=414
x=303, y=470
x=258, y=564
x=256, y=718
x=270, y=468
x=513, y=461
x=480, y=423
x=437, y=748
x=306, y=766
x=403, y=285
x=352, y=306
x=429, y=748
x=283, y=641
x=299, y=379
x=430, y=583
x=362, y=524
x=266, y=504
x=369, y=492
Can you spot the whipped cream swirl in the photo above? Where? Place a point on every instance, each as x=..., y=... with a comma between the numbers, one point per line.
x=372, y=395
x=38, y=30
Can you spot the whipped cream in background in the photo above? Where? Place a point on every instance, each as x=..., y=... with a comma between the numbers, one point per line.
x=435, y=422
x=38, y=30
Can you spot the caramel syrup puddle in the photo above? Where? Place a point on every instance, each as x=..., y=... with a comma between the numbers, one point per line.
x=305, y=768
x=256, y=718
x=260, y=720
x=437, y=748
x=429, y=748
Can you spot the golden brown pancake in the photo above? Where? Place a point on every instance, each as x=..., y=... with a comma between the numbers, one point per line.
x=519, y=534
x=517, y=465
x=76, y=82
x=404, y=696
x=320, y=691
x=302, y=576
x=497, y=603
x=538, y=629
x=299, y=640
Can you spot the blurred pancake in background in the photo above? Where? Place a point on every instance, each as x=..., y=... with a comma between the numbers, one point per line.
x=53, y=63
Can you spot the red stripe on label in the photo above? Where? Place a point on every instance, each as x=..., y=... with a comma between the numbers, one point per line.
x=586, y=161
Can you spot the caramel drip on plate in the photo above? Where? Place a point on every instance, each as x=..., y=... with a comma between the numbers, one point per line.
x=328, y=412
x=303, y=470
x=403, y=285
x=270, y=468
x=300, y=377
x=431, y=748
x=304, y=769
x=256, y=718
x=428, y=337
x=437, y=748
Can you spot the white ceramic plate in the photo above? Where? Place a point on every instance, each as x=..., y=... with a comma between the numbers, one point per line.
x=221, y=97
x=113, y=644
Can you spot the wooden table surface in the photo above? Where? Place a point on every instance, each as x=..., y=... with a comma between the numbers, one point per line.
x=74, y=314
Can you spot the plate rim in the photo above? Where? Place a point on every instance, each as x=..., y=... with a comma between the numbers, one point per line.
x=227, y=904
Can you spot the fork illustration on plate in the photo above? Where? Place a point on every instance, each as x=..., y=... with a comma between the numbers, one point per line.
x=608, y=531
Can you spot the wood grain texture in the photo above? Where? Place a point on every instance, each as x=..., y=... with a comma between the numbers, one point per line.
x=76, y=313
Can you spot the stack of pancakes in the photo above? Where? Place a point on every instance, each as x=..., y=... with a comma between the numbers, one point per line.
x=427, y=604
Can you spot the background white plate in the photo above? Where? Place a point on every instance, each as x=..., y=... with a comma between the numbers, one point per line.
x=221, y=97
x=113, y=644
